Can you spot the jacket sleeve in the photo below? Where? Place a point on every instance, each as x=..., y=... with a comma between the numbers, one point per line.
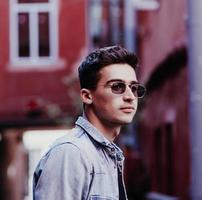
x=64, y=173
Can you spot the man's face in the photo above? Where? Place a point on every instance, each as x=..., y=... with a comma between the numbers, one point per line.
x=110, y=107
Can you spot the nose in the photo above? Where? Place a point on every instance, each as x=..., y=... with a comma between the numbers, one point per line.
x=128, y=94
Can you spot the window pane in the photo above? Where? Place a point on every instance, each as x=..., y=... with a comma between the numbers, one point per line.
x=95, y=17
x=44, y=47
x=33, y=1
x=23, y=34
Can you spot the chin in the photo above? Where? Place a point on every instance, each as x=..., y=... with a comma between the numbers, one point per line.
x=126, y=121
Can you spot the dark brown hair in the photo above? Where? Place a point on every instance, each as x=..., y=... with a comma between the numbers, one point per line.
x=95, y=61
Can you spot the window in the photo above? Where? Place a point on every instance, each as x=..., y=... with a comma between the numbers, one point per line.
x=95, y=22
x=33, y=32
x=104, y=22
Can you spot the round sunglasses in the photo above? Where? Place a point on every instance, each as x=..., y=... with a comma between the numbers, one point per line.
x=137, y=89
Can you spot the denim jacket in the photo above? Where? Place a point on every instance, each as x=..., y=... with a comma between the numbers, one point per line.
x=82, y=165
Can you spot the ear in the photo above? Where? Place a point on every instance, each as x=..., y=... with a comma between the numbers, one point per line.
x=86, y=96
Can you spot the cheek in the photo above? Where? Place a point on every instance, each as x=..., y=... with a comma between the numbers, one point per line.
x=106, y=104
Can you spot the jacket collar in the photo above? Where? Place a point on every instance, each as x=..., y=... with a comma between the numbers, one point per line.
x=111, y=148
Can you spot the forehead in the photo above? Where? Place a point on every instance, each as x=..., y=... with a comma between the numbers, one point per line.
x=118, y=71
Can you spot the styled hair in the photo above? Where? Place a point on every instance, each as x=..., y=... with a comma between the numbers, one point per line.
x=89, y=69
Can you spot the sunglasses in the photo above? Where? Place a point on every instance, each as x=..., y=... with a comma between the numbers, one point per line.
x=137, y=89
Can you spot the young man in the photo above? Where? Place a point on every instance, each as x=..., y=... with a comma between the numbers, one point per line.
x=86, y=164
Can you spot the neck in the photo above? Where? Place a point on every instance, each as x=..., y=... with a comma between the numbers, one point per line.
x=109, y=130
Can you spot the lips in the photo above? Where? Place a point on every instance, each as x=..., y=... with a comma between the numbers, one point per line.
x=128, y=109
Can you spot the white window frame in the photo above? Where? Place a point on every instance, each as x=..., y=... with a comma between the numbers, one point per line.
x=33, y=9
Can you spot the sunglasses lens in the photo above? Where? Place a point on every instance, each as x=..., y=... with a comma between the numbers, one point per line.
x=118, y=88
x=137, y=90
x=134, y=89
x=141, y=91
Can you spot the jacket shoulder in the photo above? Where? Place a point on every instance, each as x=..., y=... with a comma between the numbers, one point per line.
x=75, y=136
x=78, y=138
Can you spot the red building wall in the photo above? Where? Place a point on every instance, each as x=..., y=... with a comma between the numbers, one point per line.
x=25, y=89
x=164, y=136
x=4, y=38
x=160, y=32
x=163, y=127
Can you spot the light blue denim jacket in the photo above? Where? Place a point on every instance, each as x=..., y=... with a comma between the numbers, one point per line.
x=82, y=165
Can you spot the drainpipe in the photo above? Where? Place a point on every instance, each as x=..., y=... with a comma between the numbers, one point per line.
x=114, y=21
x=195, y=73
x=129, y=26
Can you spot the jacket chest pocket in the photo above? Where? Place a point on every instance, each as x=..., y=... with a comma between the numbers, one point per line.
x=99, y=197
x=104, y=187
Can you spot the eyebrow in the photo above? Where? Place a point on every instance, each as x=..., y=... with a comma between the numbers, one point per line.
x=120, y=80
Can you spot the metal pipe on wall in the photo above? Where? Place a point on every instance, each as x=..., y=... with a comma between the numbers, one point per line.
x=195, y=72
x=129, y=25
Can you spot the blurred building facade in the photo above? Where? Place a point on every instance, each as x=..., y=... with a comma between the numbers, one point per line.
x=42, y=41
x=42, y=44
x=163, y=119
